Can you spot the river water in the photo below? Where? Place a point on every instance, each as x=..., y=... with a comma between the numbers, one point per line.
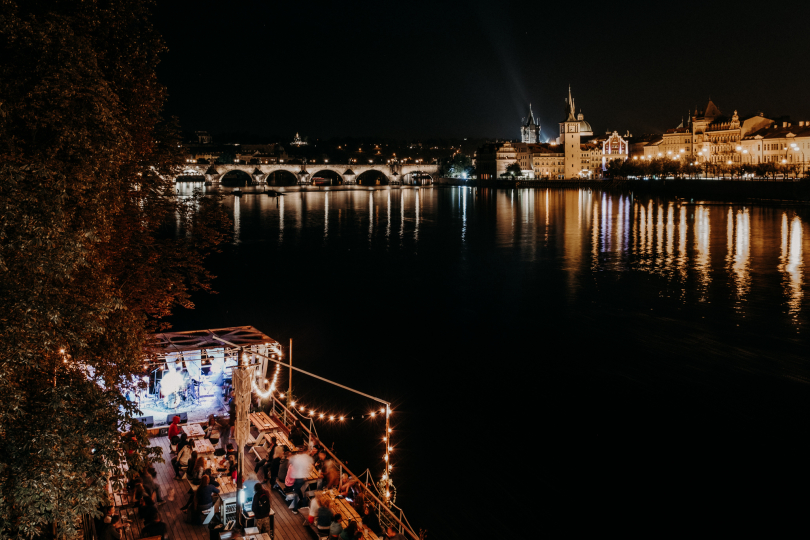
x=541, y=348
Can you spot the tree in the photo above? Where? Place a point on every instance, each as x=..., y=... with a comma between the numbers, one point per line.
x=514, y=170
x=88, y=266
x=458, y=166
x=616, y=169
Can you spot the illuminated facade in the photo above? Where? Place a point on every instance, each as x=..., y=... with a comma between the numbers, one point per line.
x=530, y=131
x=783, y=144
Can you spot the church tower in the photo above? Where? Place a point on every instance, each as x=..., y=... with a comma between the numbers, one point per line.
x=530, y=131
x=570, y=139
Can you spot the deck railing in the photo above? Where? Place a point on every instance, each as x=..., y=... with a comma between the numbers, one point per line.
x=387, y=508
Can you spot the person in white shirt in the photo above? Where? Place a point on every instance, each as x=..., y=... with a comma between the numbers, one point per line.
x=301, y=467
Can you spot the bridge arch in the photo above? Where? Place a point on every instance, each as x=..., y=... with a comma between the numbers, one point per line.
x=373, y=177
x=282, y=177
x=236, y=178
x=418, y=178
x=334, y=176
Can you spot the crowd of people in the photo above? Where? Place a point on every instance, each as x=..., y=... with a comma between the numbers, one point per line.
x=284, y=469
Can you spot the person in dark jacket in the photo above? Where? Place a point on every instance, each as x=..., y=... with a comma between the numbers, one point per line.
x=297, y=435
x=205, y=494
x=261, y=508
x=155, y=527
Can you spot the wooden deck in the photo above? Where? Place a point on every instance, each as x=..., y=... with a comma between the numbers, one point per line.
x=287, y=525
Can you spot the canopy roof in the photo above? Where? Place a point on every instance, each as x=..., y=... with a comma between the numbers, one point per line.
x=242, y=336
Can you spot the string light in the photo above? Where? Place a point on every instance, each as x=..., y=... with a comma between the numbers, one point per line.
x=341, y=418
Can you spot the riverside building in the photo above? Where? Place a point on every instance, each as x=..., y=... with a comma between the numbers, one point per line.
x=575, y=154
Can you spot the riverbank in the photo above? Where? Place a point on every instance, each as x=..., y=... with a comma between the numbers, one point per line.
x=692, y=190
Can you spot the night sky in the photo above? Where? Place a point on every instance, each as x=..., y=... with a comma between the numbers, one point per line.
x=423, y=69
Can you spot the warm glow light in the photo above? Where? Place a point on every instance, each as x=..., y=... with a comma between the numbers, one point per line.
x=331, y=417
x=293, y=403
x=62, y=351
x=372, y=414
x=321, y=416
x=341, y=418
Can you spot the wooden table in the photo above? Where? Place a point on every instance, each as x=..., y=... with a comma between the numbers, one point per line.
x=259, y=536
x=264, y=424
x=203, y=446
x=193, y=431
x=347, y=513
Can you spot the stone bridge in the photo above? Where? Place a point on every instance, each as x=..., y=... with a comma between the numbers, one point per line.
x=304, y=173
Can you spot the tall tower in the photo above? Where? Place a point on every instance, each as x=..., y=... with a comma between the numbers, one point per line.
x=530, y=131
x=570, y=138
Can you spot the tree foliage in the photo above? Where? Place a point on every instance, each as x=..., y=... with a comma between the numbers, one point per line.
x=682, y=168
x=457, y=167
x=88, y=266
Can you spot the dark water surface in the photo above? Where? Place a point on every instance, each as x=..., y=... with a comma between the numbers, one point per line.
x=546, y=352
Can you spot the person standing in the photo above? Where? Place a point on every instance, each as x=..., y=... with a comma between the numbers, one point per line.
x=301, y=467
x=261, y=508
x=150, y=483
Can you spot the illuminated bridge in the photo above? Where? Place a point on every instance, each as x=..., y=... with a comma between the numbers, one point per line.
x=303, y=174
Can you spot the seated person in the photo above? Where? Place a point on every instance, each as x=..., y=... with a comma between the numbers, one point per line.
x=371, y=521
x=335, y=528
x=351, y=532
x=147, y=509
x=205, y=494
x=325, y=515
x=155, y=528
x=346, y=484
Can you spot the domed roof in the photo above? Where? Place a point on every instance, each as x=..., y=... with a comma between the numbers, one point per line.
x=585, y=126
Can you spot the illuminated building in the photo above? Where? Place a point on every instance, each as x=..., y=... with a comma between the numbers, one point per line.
x=530, y=132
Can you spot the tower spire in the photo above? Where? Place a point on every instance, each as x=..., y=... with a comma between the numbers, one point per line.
x=572, y=115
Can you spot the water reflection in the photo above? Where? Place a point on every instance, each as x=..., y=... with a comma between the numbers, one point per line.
x=738, y=235
x=237, y=218
x=584, y=234
x=702, y=239
x=791, y=262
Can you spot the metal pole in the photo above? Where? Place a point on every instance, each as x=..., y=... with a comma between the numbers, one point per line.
x=289, y=389
x=387, y=441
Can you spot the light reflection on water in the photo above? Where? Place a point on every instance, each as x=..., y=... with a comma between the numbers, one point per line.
x=702, y=250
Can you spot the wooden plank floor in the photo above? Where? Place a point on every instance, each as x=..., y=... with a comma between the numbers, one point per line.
x=287, y=525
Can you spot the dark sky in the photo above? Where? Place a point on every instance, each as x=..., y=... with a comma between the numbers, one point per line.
x=422, y=69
